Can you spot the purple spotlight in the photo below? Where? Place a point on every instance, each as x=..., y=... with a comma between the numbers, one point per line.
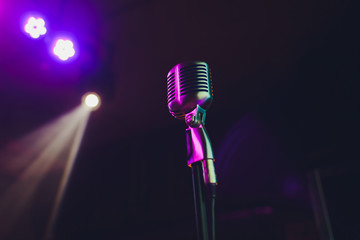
x=35, y=27
x=64, y=49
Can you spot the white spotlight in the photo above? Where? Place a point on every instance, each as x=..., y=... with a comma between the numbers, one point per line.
x=91, y=100
x=35, y=27
x=64, y=49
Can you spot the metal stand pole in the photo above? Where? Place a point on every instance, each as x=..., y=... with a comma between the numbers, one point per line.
x=200, y=202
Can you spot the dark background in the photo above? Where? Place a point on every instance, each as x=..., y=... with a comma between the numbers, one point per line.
x=286, y=103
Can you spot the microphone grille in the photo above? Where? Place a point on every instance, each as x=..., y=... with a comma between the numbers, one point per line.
x=171, y=87
x=188, y=84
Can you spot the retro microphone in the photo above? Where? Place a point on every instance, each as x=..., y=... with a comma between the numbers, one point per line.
x=189, y=88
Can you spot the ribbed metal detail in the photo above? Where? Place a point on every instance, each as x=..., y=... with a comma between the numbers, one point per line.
x=178, y=115
x=193, y=78
x=188, y=84
x=171, y=87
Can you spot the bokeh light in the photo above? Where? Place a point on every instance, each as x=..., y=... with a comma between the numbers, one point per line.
x=64, y=49
x=35, y=27
x=91, y=100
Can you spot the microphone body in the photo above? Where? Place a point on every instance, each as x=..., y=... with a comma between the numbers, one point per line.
x=190, y=94
x=189, y=84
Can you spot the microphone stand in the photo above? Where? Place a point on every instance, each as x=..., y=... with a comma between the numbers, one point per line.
x=201, y=159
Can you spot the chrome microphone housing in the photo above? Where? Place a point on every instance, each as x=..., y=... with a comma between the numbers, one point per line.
x=189, y=92
x=189, y=84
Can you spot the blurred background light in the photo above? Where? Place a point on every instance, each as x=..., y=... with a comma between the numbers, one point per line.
x=64, y=49
x=91, y=100
x=35, y=27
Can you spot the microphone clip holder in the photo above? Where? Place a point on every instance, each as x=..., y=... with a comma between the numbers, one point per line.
x=196, y=117
x=199, y=145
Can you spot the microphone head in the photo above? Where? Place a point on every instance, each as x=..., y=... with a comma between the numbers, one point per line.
x=189, y=84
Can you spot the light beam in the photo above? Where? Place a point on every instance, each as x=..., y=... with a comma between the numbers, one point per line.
x=25, y=165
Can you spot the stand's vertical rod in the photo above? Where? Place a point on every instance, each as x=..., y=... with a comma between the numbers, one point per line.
x=200, y=200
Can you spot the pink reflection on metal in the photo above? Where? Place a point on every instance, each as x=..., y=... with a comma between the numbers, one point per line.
x=198, y=145
x=35, y=27
x=64, y=49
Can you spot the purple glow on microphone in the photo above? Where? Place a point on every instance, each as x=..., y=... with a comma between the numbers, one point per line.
x=35, y=27
x=64, y=49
